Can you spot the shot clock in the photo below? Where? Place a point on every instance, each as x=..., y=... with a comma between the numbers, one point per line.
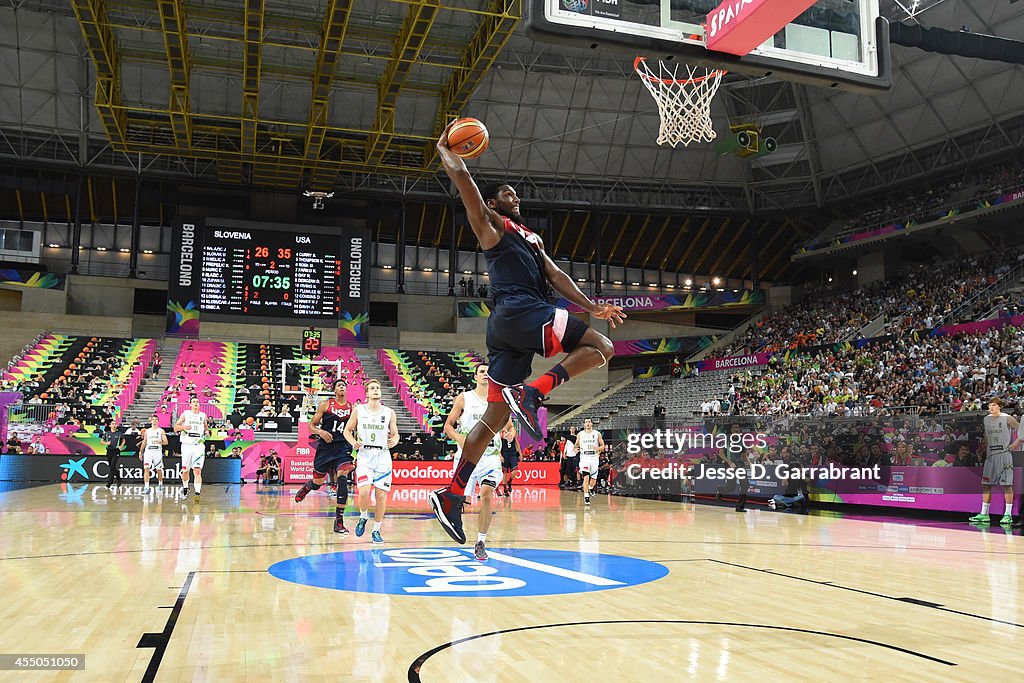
x=311, y=342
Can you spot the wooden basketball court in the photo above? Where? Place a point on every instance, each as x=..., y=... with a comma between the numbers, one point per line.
x=153, y=588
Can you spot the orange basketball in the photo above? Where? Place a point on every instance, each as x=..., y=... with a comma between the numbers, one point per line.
x=468, y=138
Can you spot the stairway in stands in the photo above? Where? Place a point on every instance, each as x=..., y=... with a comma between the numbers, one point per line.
x=389, y=395
x=148, y=397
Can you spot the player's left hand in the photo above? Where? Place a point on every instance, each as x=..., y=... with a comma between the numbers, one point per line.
x=393, y=441
x=613, y=314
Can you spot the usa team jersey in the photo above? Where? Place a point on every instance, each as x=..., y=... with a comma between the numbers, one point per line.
x=335, y=418
x=515, y=263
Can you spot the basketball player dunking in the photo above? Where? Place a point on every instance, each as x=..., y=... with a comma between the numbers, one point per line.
x=590, y=445
x=333, y=452
x=998, y=470
x=154, y=438
x=467, y=409
x=372, y=431
x=522, y=324
x=192, y=427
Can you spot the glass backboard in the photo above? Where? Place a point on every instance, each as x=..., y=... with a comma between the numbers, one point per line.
x=835, y=43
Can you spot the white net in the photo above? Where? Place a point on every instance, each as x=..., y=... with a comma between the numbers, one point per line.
x=684, y=95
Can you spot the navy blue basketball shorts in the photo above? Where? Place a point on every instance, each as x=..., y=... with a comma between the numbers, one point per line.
x=521, y=327
x=330, y=456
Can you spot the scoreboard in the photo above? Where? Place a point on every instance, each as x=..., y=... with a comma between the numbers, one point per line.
x=270, y=273
x=226, y=270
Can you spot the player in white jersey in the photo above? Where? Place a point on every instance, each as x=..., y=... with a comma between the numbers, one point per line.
x=998, y=470
x=590, y=445
x=154, y=438
x=467, y=409
x=192, y=428
x=372, y=430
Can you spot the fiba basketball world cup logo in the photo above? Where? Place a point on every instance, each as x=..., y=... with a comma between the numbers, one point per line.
x=579, y=6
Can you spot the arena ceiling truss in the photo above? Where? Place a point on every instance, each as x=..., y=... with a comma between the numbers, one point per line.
x=225, y=82
x=346, y=95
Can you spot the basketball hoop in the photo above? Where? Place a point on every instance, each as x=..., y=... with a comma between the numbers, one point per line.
x=684, y=104
x=309, y=402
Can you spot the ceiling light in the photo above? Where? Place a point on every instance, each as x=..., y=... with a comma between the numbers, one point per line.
x=124, y=251
x=101, y=248
x=689, y=282
x=147, y=251
x=428, y=270
x=635, y=284
x=716, y=281
x=54, y=245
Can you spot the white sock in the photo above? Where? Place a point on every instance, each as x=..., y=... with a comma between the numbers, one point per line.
x=984, y=508
x=365, y=514
x=480, y=538
x=376, y=526
x=199, y=487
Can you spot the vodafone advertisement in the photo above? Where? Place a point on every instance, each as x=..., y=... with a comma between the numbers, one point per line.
x=439, y=473
x=299, y=468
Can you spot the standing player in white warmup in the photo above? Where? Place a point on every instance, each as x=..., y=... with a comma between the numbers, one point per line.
x=467, y=409
x=192, y=426
x=154, y=438
x=590, y=445
x=372, y=430
x=998, y=470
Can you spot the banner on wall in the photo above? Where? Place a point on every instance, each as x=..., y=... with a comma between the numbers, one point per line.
x=32, y=279
x=685, y=346
x=183, y=283
x=643, y=302
x=474, y=309
x=354, y=317
x=669, y=302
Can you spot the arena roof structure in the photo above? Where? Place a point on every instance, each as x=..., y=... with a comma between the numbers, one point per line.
x=351, y=97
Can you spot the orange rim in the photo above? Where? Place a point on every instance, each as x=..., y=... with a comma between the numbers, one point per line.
x=673, y=81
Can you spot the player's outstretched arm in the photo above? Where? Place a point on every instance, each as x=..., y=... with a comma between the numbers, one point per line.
x=485, y=222
x=564, y=285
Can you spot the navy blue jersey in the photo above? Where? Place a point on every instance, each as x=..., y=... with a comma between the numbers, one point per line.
x=515, y=264
x=335, y=418
x=508, y=448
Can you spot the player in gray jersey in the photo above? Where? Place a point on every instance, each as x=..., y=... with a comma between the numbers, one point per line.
x=998, y=471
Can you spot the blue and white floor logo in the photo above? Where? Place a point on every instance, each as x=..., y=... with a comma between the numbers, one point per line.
x=453, y=572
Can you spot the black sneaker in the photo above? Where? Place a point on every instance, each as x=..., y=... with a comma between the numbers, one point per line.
x=184, y=492
x=524, y=401
x=479, y=552
x=448, y=509
x=301, y=494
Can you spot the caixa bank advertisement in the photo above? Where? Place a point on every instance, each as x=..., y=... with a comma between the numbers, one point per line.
x=96, y=469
